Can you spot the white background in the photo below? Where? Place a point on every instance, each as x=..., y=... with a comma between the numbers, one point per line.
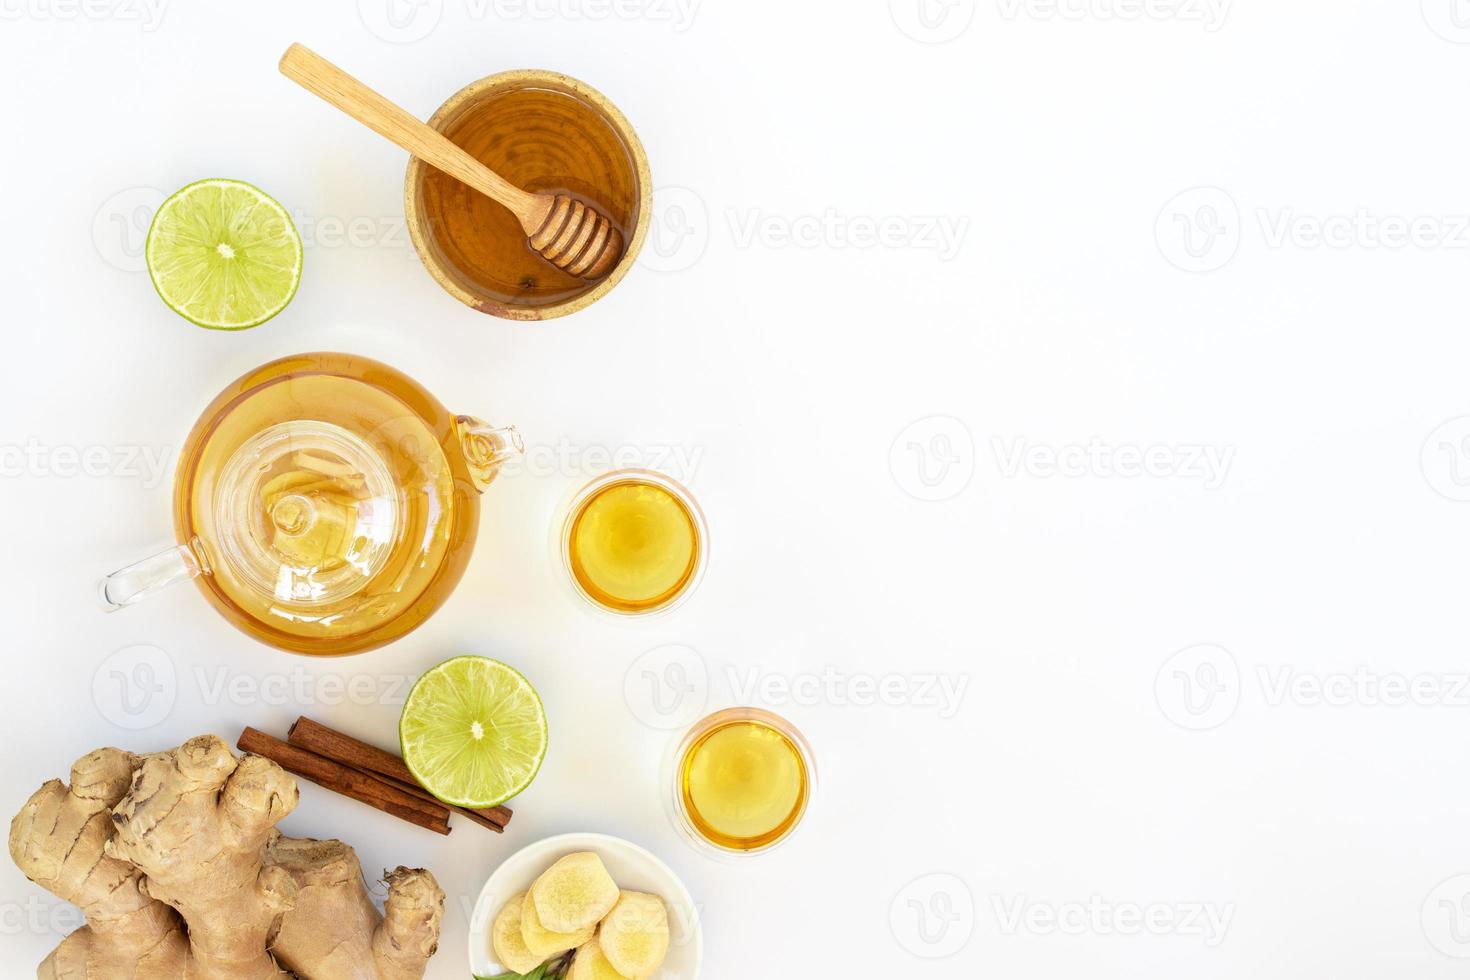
x=827, y=389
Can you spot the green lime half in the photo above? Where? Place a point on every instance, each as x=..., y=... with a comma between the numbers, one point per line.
x=473, y=732
x=224, y=254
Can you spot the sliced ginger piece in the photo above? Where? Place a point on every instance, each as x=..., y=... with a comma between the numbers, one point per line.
x=635, y=935
x=574, y=893
x=591, y=964
x=541, y=940
x=505, y=938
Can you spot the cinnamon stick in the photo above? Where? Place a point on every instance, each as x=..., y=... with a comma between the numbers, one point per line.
x=318, y=738
x=348, y=782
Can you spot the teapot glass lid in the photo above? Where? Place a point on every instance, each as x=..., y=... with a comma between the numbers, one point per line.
x=306, y=513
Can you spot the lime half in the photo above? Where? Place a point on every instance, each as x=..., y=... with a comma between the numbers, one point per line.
x=224, y=254
x=473, y=732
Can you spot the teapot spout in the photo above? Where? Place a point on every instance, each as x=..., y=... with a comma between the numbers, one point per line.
x=486, y=448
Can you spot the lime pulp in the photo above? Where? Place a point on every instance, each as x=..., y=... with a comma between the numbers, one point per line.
x=473, y=732
x=224, y=254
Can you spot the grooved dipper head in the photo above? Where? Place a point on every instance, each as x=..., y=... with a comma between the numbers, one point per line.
x=578, y=240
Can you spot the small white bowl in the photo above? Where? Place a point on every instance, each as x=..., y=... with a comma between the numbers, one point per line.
x=631, y=867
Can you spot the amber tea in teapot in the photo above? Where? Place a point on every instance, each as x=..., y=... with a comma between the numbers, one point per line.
x=326, y=503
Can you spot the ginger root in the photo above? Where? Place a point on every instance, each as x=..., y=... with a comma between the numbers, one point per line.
x=175, y=860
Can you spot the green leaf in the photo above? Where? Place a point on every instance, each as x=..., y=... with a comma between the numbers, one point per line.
x=537, y=974
x=554, y=969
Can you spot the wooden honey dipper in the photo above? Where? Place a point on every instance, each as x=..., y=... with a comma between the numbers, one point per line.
x=575, y=238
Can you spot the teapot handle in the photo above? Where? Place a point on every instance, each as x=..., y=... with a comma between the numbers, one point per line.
x=486, y=448
x=143, y=578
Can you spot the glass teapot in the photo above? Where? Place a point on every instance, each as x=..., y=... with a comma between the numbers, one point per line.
x=326, y=504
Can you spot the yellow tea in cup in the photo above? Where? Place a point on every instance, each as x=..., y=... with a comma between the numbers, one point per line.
x=634, y=542
x=744, y=779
